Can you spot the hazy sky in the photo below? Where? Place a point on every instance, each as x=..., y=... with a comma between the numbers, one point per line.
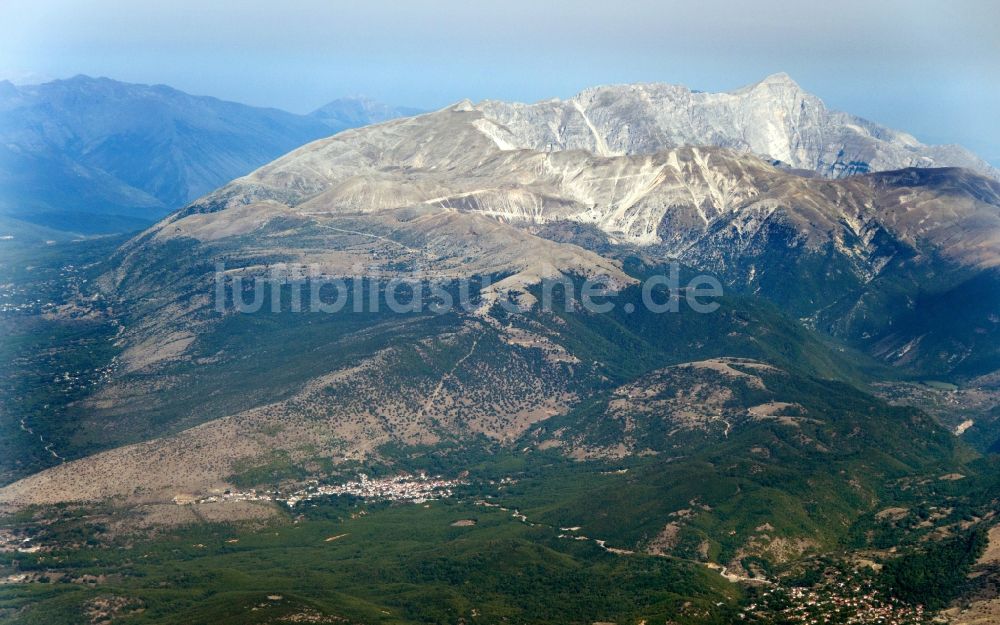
x=931, y=68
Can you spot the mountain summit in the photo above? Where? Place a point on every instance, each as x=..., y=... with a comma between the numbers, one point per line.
x=774, y=119
x=600, y=165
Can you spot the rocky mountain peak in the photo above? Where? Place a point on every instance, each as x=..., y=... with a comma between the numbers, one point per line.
x=773, y=118
x=463, y=105
x=778, y=79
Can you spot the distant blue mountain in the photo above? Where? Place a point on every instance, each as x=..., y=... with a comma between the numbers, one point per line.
x=116, y=155
x=355, y=112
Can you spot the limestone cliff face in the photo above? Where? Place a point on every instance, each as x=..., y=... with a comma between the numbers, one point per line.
x=511, y=189
x=774, y=119
x=699, y=203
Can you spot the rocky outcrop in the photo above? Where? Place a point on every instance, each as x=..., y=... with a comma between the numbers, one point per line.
x=774, y=119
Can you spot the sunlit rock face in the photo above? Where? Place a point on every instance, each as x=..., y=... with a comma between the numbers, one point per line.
x=525, y=191
x=774, y=119
x=650, y=165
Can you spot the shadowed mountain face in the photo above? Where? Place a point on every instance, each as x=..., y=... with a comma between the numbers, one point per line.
x=105, y=148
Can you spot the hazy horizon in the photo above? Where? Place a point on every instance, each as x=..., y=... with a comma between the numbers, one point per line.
x=932, y=73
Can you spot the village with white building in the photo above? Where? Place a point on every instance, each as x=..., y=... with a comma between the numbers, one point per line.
x=398, y=488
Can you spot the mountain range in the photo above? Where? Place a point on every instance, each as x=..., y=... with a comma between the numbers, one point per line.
x=839, y=404
x=836, y=251
x=774, y=118
x=94, y=154
x=524, y=192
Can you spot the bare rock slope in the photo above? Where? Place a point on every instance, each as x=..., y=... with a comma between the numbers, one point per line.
x=774, y=118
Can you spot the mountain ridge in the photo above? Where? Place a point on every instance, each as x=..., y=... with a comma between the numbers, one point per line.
x=746, y=439
x=832, y=143
x=848, y=244
x=99, y=146
x=356, y=111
